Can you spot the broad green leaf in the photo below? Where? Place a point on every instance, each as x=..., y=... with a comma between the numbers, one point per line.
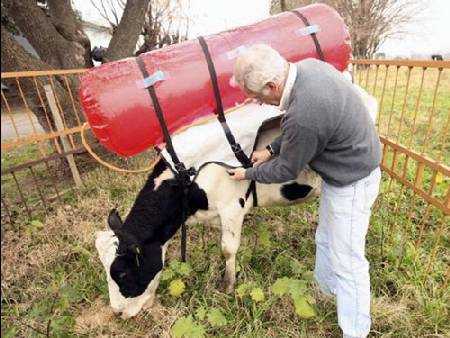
x=281, y=286
x=200, y=313
x=216, y=318
x=310, y=299
x=175, y=265
x=257, y=295
x=302, y=308
x=187, y=328
x=296, y=267
x=167, y=274
x=185, y=269
x=308, y=275
x=37, y=224
x=297, y=287
x=176, y=287
x=243, y=289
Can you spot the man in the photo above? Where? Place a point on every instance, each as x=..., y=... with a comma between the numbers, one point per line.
x=327, y=126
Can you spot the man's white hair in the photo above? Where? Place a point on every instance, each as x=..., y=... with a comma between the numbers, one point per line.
x=258, y=65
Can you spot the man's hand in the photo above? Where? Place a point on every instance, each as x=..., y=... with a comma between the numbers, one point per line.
x=260, y=156
x=237, y=174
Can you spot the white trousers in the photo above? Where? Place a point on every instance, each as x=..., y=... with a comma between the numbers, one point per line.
x=342, y=269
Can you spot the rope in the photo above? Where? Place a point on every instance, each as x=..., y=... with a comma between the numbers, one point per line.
x=197, y=122
x=108, y=165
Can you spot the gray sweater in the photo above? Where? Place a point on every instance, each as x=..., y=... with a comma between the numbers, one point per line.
x=327, y=126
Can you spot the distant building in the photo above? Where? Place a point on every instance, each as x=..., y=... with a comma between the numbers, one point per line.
x=99, y=35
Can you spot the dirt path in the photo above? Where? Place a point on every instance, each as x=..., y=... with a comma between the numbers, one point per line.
x=23, y=124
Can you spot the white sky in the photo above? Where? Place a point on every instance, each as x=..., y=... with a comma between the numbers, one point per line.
x=428, y=33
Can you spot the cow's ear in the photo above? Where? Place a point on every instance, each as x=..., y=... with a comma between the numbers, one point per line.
x=197, y=198
x=114, y=221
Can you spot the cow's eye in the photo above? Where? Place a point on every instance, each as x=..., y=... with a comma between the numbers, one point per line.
x=122, y=275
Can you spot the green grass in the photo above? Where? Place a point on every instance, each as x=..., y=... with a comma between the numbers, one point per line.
x=52, y=277
x=421, y=129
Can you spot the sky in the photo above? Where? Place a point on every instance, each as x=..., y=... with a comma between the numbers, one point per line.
x=427, y=33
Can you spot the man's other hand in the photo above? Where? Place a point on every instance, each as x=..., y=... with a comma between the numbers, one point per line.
x=260, y=156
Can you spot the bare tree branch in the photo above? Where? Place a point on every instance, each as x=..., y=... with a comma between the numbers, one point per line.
x=370, y=21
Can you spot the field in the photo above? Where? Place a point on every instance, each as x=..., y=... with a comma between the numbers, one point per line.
x=53, y=283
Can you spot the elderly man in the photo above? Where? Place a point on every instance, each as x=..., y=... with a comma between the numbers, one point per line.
x=326, y=126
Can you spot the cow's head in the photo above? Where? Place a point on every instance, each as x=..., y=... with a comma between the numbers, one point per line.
x=135, y=264
x=126, y=306
x=133, y=253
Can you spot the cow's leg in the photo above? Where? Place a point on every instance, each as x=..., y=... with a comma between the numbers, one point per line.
x=231, y=219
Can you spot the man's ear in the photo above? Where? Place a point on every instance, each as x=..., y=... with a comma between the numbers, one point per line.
x=268, y=88
x=271, y=85
x=114, y=221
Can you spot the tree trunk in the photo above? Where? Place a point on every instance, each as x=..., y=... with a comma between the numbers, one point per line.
x=51, y=46
x=13, y=57
x=123, y=42
x=67, y=24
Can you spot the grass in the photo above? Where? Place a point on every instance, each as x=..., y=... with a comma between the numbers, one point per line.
x=53, y=283
x=52, y=279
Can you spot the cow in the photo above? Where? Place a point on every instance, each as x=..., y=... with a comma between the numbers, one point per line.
x=133, y=251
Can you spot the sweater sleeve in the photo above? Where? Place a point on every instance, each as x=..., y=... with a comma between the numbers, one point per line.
x=299, y=145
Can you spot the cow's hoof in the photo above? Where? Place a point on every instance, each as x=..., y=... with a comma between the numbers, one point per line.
x=229, y=290
x=149, y=304
x=225, y=286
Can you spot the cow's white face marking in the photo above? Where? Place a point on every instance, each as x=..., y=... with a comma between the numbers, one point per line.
x=106, y=243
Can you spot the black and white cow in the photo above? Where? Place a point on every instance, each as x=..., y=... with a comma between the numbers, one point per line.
x=133, y=252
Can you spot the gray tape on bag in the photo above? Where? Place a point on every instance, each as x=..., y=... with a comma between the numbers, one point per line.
x=308, y=30
x=232, y=54
x=157, y=76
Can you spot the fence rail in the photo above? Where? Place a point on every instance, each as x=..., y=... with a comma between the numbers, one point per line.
x=413, y=123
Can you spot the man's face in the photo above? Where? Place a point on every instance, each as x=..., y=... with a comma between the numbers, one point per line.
x=271, y=94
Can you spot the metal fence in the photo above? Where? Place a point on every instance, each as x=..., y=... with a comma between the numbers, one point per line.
x=42, y=112
x=40, y=118
x=413, y=123
x=43, y=159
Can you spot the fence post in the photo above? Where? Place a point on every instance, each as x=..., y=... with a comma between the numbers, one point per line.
x=60, y=127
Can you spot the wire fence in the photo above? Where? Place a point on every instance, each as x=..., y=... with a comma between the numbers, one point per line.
x=43, y=160
x=413, y=123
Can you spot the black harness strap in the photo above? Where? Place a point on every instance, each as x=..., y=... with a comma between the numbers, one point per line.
x=182, y=174
x=179, y=166
x=313, y=35
x=235, y=147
